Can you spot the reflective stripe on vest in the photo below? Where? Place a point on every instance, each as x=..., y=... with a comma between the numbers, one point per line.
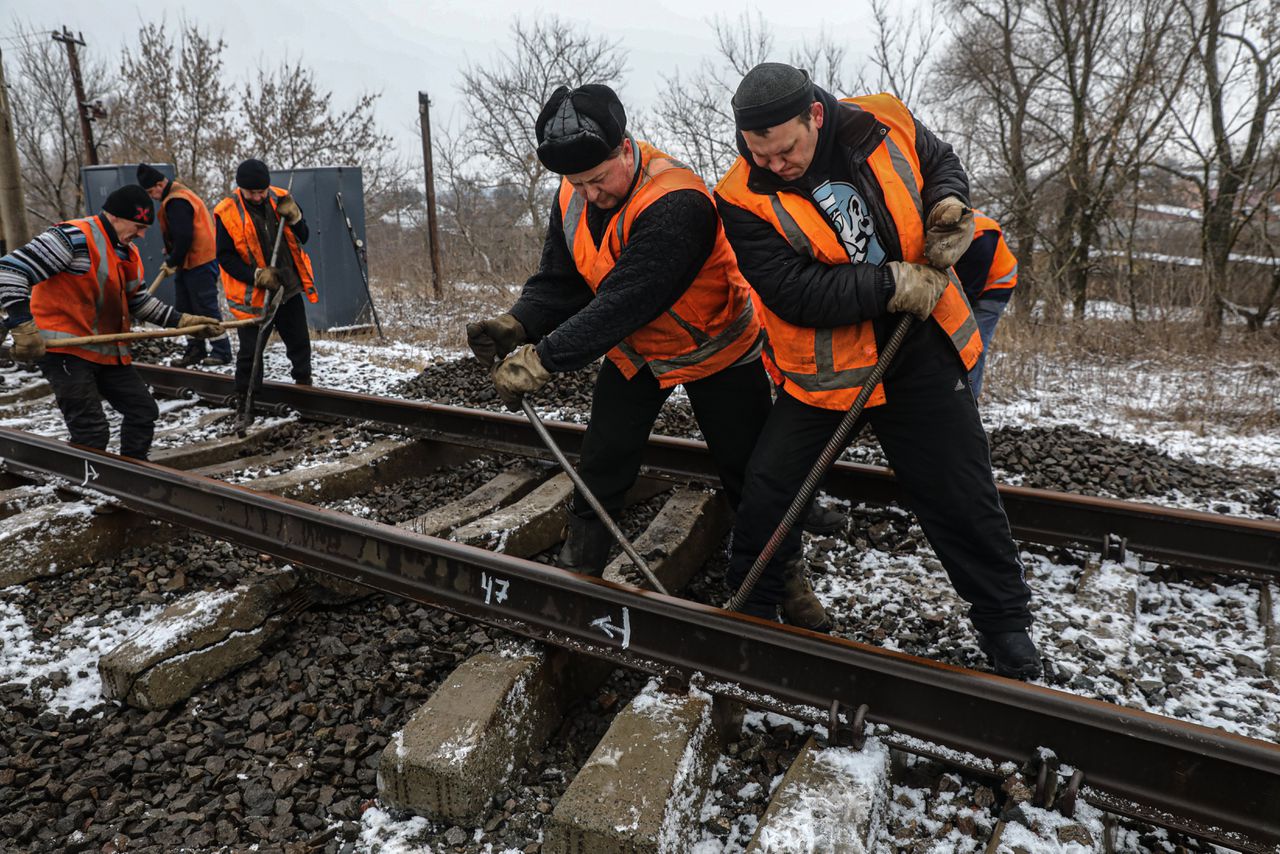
x=728, y=327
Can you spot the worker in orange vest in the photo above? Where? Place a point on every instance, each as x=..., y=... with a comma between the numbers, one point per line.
x=988, y=272
x=191, y=258
x=247, y=222
x=84, y=277
x=843, y=215
x=634, y=267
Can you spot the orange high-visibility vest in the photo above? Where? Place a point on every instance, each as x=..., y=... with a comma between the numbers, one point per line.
x=204, y=243
x=69, y=305
x=827, y=367
x=243, y=299
x=711, y=326
x=1002, y=275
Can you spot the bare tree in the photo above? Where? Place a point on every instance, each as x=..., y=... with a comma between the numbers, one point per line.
x=46, y=121
x=1227, y=141
x=177, y=105
x=509, y=92
x=902, y=55
x=1085, y=88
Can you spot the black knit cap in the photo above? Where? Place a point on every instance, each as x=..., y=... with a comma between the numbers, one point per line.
x=579, y=128
x=131, y=202
x=770, y=94
x=149, y=176
x=253, y=175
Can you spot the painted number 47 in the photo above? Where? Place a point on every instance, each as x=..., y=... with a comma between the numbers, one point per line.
x=495, y=589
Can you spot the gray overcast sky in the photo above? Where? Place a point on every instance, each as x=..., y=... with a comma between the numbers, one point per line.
x=398, y=47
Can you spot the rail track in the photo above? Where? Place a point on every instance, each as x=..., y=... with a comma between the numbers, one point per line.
x=1196, y=780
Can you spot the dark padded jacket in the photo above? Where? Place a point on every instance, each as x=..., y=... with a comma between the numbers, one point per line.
x=806, y=292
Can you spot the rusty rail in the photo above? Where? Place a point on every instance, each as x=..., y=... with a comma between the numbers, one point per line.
x=1184, y=538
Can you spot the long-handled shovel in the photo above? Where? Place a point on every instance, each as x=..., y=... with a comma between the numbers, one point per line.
x=828, y=456
x=586, y=493
x=264, y=331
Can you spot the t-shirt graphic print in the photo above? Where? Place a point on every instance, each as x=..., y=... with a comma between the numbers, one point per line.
x=848, y=213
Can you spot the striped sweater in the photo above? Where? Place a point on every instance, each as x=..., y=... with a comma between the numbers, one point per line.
x=64, y=249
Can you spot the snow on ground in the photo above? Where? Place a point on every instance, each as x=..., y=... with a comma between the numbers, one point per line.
x=63, y=664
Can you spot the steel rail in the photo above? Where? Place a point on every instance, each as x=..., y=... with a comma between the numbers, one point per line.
x=1184, y=538
x=1146, y=764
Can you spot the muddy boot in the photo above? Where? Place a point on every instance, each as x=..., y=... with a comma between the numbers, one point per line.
x=800, y=606
x=586, y=545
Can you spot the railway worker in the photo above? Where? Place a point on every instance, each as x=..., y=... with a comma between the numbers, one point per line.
x=190, y=257
x=84, y=277
x=634, y=266
x=843, y=214
x=247, y=223
x=988, y=272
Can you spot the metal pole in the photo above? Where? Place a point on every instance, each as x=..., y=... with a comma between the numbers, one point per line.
x=586, y=493
x=82, y=105
x=13, y=208
x=433, y=229
x=362, y=261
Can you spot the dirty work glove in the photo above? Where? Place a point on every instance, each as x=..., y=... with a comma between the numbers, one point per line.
x=916, y=288
x=948, y=232
x=287, y=209
x=519, y=374
x=210, y=327
x=495, y=337
x=267, y=278
x=167, y=270
x=27, y=343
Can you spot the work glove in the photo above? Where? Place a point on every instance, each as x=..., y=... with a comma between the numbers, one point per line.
x=916, y=288
x=210, y=327
x=267, y=278
x=27, y=343
x=948, y=231
x=167, y=270
x=519, y=374
x=288, y=210
x=495, y=337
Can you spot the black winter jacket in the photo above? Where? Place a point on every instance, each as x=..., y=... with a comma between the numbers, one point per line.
x=807, y=292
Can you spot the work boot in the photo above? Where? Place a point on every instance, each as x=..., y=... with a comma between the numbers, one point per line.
x=824, y=520
x=1011, y=654
x=305, y=380
x=800, y=606
x=215, y=360
x=188, y=358
x=586, y=545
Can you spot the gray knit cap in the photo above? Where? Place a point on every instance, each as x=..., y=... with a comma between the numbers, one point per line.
x=770, y=94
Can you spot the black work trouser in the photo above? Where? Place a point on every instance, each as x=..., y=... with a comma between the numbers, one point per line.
x=195, y=291
x=291, y=324
x=934, y=441
x=80, y=386
x=731, y=407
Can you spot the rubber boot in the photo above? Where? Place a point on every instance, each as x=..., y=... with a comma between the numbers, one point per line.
x=800, y=606
x=586, y=545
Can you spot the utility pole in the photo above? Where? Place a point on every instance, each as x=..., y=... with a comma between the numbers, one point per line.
x=433, y=230
x=82, y=105
x=13, y=208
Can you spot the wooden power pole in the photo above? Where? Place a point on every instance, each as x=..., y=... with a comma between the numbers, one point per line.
x=82, y=102
x=13, y=208
x=433, y=230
